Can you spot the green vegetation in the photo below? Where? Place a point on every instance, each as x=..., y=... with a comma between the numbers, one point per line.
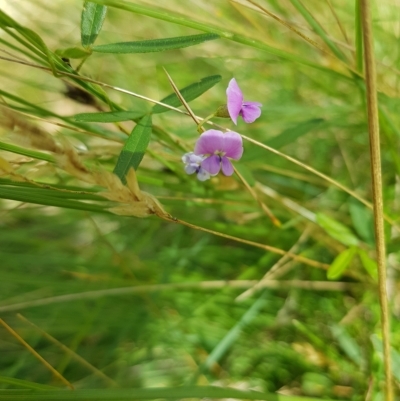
x=121, y=276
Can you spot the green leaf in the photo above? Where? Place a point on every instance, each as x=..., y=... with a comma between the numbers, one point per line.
x=108, y=117
x=290, y=135
x=189, y=93
x=155, y=45
x=92, y=19
x=369, y=264
x=341, y=262
x=133, y=151
x=337, y=230
x=362, y=221
x=73, y=52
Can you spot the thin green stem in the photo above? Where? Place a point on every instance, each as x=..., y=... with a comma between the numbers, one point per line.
x=200, y=128
x=376, y=173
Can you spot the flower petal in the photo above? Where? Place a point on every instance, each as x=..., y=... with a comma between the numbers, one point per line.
x=186, y=157
x=203, y=175
x=250, y=111
x=212, y=164
x=227, y=167
x=233, y=145
x=191, y=168
x=209, y=142
x=235, y=99
x=192, y=158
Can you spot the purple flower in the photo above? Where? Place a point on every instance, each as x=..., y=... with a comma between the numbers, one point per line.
x=193, y=165
x=219, y=147
x=250, y=111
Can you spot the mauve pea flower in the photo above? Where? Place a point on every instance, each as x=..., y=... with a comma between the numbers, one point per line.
x=193, y=165
x=250, y=111
x=219, y=148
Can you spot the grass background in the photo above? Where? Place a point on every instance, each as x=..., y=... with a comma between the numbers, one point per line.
x=288, y=339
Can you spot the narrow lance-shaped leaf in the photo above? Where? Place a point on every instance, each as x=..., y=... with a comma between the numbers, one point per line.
x=189, y=93
x=362, y=219
x=108, y=117
x=155, y=45
x=341, y=263
x=91, y=22
x=337, y=230
x=369, y=264
x=133, y=151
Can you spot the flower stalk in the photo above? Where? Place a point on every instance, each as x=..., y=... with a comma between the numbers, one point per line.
x=376, y=173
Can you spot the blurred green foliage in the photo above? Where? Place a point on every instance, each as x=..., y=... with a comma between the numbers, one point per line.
x=309, y=342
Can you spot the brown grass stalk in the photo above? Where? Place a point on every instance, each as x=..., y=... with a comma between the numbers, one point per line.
x=376, y=174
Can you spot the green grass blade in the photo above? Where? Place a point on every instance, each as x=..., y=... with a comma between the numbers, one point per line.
x=358, y=35
x=26, y=152
x=133, y=151
x=46, y=198
x=230, y=338
x=318, y=29
x=155, y=45
x=25, y=384
x=108, y=117
x=51, y=191
x=92, y=19
x=32, y=37
x=189, y=93
x=212, y=392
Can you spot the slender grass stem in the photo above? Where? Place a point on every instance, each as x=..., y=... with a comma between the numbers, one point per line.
x=185, y=286
x=269, y=248
x=376, y=173
x=68, y=351
x=254, y=194
x=35, y=354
